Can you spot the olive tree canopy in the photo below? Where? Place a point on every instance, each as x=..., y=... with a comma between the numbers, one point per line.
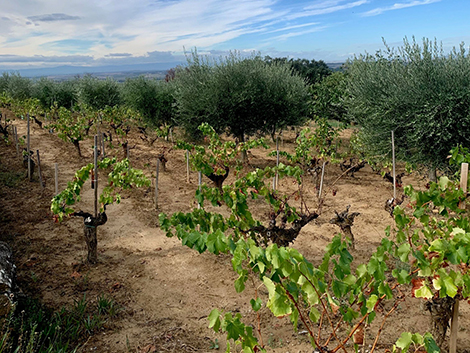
x=242, y=96
x=420, y=92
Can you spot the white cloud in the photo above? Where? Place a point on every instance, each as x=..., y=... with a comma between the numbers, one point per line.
x=398, y=6
x=327, y=7
x=296, y=34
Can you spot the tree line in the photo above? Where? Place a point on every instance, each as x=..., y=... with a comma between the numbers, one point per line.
x=417, y=90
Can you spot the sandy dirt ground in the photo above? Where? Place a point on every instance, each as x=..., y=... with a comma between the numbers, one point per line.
x=166, y=290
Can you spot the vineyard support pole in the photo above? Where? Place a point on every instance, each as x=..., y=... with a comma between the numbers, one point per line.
x=39, y=170
x=16, y=141
x=156, y=183
x=102, y=148
x=98, y=132
x=95, y=172
x=321, y=180
x=393, y=163
x=277, y=162
x=56, y=167
x=199, y=182
x=187, y=167
x=127, y=152
x=454, y=327
x=28, y=147
x=463, y=181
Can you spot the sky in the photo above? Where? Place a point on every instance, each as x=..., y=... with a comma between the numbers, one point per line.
x=50, y=33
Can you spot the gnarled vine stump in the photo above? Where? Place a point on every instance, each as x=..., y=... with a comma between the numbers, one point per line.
x=218, y=179
x=441, y=313
x=281, y=235
x=345, y=221
x=90, y=225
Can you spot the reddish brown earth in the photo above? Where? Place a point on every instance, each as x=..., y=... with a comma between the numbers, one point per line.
x=165, y=289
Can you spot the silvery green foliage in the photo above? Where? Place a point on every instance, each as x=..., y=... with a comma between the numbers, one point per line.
x=243, y=95
x=417, y=90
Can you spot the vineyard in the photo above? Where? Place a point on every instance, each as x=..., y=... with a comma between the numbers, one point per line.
x=242, y=205
x=166, y=292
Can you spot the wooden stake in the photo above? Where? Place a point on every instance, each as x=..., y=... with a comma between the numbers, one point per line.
x=95, y=172
x=393, y=162
x=102, y=147
x=199, y=182
x=128, y=152
x=56, y=165
x=187, y=167
x=156, y=184
x=28, y=149
x=321, y=180
x=277, y=162
x=39, y=170
x=454, y=327
x=16, y=141
x=463, y=182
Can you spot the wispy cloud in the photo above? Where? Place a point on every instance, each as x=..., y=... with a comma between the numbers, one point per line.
x=293, y=27
x=42, y=58
x=155, y=31
x=327, y=7
x=398, y=6
x=296, y=34
x=118, y=55
x=53, y=17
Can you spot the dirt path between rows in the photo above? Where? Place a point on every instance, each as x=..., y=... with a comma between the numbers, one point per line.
x=167, y=290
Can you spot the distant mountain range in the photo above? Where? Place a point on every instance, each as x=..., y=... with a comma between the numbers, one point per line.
x=118, y=72
x=95, y=70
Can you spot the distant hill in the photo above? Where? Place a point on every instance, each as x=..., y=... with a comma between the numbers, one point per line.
x=335, y=66
x=117, y=72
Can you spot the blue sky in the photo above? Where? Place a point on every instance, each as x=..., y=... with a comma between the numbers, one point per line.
x=48, y=33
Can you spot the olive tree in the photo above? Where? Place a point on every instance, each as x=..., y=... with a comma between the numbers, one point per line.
x=312, y=70
x=15, y=86
x=153, y=99
x=98, y=93
x=420, y=92
x=329, y=97
x=243, y=96
x=50, y=92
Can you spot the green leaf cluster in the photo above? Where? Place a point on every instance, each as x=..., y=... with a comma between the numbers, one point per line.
x=121, y=177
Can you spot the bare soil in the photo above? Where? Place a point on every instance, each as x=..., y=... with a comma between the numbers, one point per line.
x=165, y=289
